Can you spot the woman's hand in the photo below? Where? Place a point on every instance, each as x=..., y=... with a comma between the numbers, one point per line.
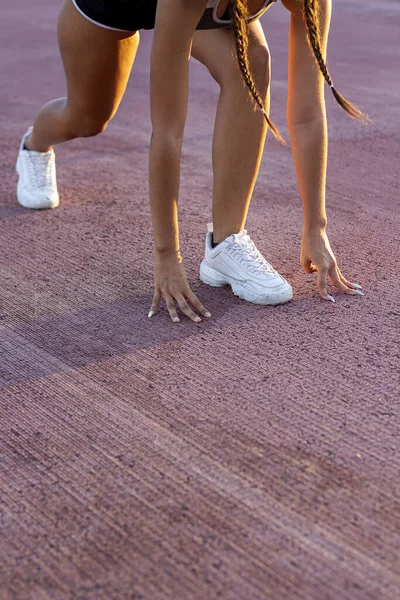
x=170, y=283
x=317, y=255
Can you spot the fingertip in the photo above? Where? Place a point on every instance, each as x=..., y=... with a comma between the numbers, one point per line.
x=151, y=313
x=331, y=299
x=207, y=314
x=176, y=319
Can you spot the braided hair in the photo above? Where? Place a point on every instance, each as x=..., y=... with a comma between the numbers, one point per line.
x=310, y=12
x=239, y=13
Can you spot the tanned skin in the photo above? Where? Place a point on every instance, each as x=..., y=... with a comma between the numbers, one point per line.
x=97, y=65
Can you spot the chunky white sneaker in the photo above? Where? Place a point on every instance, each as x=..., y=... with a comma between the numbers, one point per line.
x=37, y=183
x=237, y=262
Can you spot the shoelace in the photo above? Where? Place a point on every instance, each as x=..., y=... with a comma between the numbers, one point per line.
x=40, y=170
x=248, y=254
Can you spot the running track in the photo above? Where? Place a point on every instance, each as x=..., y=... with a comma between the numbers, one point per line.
x=252, y=457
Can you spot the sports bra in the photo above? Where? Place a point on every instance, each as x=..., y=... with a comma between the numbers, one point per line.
x=210, y=20
x=215, y=3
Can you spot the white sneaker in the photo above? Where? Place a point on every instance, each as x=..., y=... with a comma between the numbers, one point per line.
x=237, y=262
x=37, y=184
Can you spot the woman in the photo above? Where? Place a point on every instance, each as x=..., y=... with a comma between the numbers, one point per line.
x=98, y=42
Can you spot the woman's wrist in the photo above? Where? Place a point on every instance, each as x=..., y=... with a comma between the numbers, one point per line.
x=314, y=225
x=163, y=254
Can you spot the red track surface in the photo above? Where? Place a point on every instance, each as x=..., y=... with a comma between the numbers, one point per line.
x=255, y=456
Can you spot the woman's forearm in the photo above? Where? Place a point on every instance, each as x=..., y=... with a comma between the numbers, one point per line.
x=164, y=171
x=310, y=151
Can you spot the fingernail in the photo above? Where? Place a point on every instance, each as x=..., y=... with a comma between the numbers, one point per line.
x=357, y=286
x=176, y=320
x=207, y=314
x=358, y=293
x=197, y=320
x=151, y=313
x=332, y=299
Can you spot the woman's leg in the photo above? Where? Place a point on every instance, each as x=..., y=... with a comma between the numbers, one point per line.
x=239, y=131
x=97, y=64
x=239, y=136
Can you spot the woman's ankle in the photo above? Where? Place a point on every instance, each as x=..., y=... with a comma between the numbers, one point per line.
x=30, y=143
x=221, y=233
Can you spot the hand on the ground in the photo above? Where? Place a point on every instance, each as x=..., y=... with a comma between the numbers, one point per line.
x=170, y=283
x=317, y=256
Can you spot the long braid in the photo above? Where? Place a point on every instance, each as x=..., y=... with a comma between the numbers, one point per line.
x=310, y=12
x=239, y=14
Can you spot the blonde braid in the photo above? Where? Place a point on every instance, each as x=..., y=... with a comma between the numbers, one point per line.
x=239, y=14
x=311, y=18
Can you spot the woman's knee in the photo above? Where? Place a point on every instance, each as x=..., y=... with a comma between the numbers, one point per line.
x=260, y=68
x=84, y=124
x=90, y=127
x=260, y=65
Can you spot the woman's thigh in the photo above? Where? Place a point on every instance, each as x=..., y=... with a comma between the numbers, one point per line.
x=215, y=48
x=97, y=64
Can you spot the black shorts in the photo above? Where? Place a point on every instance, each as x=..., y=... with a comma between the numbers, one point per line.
x=127, y=15
x=133, y=15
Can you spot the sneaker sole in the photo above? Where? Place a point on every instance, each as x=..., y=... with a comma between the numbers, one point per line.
x=33, y=206
x=215, y=279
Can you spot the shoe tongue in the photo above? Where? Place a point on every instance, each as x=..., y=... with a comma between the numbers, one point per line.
x=241, y=237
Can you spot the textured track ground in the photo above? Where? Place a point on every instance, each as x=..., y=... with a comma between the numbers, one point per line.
x=255, y=456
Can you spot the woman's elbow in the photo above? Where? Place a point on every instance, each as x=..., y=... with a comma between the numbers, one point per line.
x=305, y=115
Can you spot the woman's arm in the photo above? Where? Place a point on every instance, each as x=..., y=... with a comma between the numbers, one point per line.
x=176, y=21
x=308, y=131
x=306, y=114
